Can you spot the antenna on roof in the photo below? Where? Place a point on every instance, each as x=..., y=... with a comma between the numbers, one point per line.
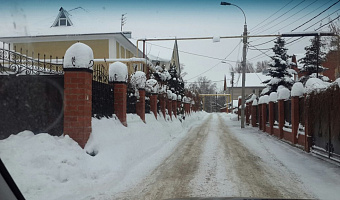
x=122, y=22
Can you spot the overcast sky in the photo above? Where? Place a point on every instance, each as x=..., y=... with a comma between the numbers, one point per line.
x=187, y=18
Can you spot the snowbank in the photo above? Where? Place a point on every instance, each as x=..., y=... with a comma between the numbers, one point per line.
x=79, y=55
x=297, y=90
x=50, y=167
x=118, y=72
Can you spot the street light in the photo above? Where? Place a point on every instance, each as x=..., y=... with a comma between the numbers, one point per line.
x=243, y=61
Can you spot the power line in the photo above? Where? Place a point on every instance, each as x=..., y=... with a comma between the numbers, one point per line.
x=280, y=17
x=298, y=18
x=270, y=16
x=195, y=54
x=316, y=16
x=217, y=63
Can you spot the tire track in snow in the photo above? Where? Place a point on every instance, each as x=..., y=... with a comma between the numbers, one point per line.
x=172, y=178
x=257, y=178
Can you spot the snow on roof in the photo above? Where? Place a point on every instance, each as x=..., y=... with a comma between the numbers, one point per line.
x=83, y=22
x=252, y=79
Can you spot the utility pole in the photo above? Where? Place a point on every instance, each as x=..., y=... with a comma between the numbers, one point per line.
x=232, y=91
x=244, y=73
x=122, y=22
x=317, y=55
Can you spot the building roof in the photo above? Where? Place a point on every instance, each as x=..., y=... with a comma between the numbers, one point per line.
x=80, y=21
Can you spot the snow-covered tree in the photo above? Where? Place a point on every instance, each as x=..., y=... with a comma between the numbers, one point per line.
x=312, y=62
x=279, y=69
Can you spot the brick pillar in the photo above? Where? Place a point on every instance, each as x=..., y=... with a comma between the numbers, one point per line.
x=281, y=117
x=253, y=115
x=162, y=103
x=264, y=116
x=295, y=118
x=271, y=117
x=120, y=98
x=140, y=105
x=78, y=104
x=174, y=107
x=169, y=107
x=153, y=104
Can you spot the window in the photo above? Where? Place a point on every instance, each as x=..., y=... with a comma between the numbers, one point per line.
x=62, y=19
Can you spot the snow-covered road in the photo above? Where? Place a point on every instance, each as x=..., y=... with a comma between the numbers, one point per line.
x=206, y=155
x=215, y=161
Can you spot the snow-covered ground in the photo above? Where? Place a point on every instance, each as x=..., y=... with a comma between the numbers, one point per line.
x=319, y=177
x=228, y=161
x=47, y=167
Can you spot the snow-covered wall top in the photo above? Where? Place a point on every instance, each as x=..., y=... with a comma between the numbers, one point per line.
x=315, y=84
x=79, y=55
x=253, y=96
x=283, y=93
x=152, y=86
x=273, y=97
x=264, y=99
x=169, y=94
x=179, y=97
x=174, y=97
x=255, y=102
x=297, y=90
x=138, y=80
x=118, y=72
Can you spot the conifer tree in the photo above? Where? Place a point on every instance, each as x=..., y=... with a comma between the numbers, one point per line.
x=312, y=62
x=279, y=69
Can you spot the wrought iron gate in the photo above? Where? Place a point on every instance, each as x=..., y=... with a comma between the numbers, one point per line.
x=102, y=93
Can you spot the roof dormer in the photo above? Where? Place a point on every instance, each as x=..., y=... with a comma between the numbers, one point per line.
x=62, y=19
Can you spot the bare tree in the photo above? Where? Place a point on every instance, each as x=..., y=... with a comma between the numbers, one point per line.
x=261, y=66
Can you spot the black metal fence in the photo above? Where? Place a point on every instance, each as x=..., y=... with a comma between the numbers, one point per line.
x=29, y=101
x=32, y=103
x=13, y=62
x=301, y=111
x=102, y=93
x=287, y=111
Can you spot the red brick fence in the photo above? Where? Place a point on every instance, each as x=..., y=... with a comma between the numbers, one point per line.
x=310, y=121
x=78, y=96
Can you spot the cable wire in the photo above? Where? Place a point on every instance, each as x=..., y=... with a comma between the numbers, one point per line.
x=316, y=16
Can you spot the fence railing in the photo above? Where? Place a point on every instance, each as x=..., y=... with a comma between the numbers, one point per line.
x=19, y=63
x=102, y=93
